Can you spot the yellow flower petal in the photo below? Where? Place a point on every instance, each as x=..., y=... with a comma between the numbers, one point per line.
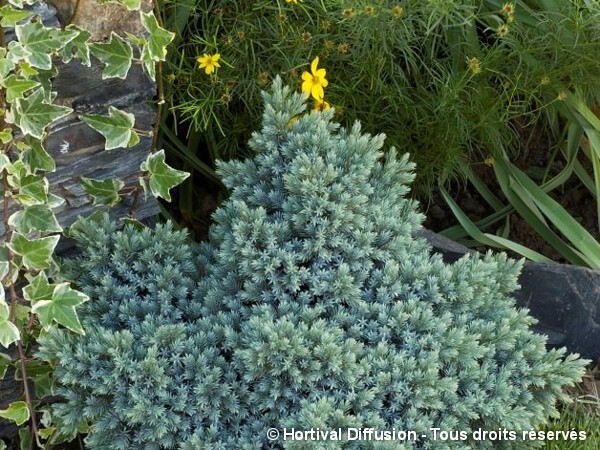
x=216, y=57
x=307, y=76
x=317, y=91
x=314, y=64
x=307, y=86
x=324, y=82
x=320, y=73
x=216, y=64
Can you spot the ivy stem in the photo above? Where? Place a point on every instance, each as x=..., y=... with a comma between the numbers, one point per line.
x=14, y=298
x=159, y=108
x=159, y=83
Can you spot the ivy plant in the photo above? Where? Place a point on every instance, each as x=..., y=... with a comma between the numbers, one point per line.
x=33, y=296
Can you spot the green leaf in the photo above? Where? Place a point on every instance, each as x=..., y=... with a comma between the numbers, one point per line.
x=15, y=87
x=42, y=42
x=105, y=192
x=45, y=433
x=61, y=308
x=38, y=289
x=490, y=239
x=162, y=177
x=4, y=161
x=117, y=127
x=33, y=189
x=20, y=3
x=158, y=39
x=5, y=362
x=36, y=114
x=17, y=412
x=25, y=438
x=4, y=260
x=36, y=253
x=27, y=70
x=10, y=16
x=131, y=5
x=149, y=63
x=5, y=67
x=16, y=52
x=6, y=136
x=36, y=217
x=36, y=156
x=9, y=333
x=116, y=55
x=79, y=44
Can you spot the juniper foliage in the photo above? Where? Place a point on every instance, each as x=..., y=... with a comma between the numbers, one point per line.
x=316, y=308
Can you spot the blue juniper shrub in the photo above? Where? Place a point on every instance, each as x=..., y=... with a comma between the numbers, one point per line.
x=315, y=307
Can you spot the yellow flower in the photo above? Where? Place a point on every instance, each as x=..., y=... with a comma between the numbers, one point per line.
x=508, y=9
x=502, y=30
x=306, y=36
x=209, y=62
x=474, y=65
x=315, y=81
x=397, y=10
x=321, y=105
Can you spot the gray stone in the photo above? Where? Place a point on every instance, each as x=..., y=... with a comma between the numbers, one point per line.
x=564, y=299
x=78, y=150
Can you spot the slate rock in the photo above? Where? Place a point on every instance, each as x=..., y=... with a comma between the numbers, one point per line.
x=565, y=299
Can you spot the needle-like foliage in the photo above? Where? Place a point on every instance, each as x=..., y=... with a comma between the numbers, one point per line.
x=316, y=308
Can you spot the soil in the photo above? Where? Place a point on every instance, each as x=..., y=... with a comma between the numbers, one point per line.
x=534, y=156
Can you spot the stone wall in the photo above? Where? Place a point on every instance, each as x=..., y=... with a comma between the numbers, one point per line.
x=79, y=150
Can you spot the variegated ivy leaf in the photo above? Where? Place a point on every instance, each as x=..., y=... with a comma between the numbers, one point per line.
x=5, y=362
x=17, y=52
x=158, y=38
x=5, y=137
x=4, y=260
x=36, y=217
x=36, y=157
x=4, y=161
x=21, y=3
x=35, y=114
x=36, y=253
x=116, y=54
x=162, y=177
x=42, y=42
x=38, y=289
x=9, y=333
x=104, y=192
x=78, y=47
x=11, y=16
x=16, y=87
x=149, y=63
x=61, y=308
x=117, y=127
x=26, y=69
x=33, y=189
x=18, y=412
x=131, y=5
